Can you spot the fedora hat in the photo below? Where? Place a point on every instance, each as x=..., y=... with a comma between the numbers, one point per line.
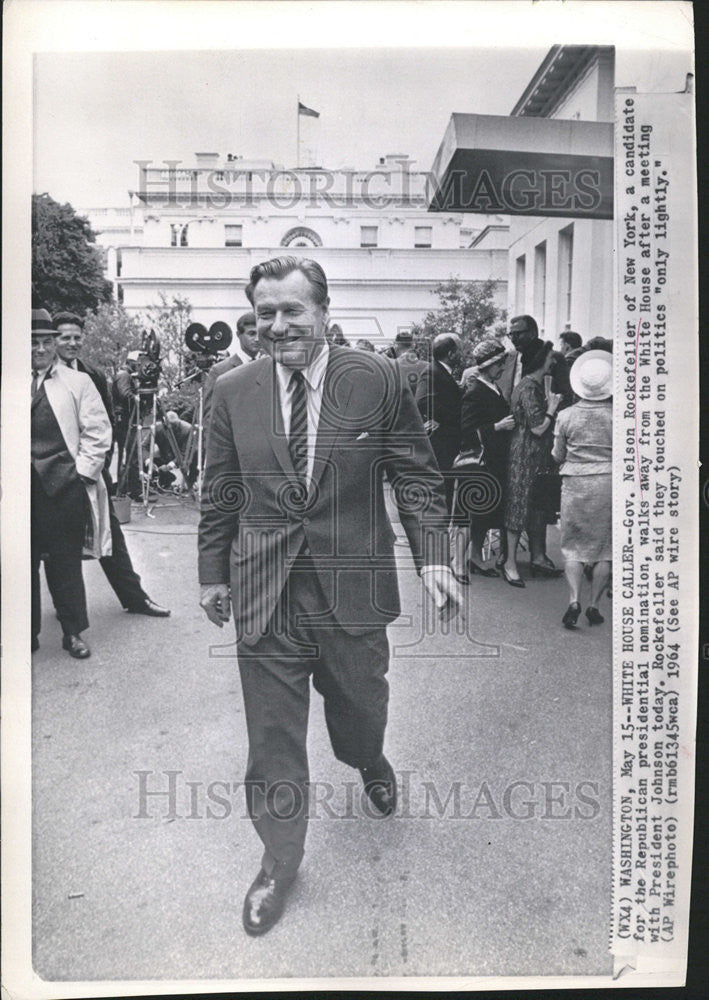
x=42, y=323
x=591, y=375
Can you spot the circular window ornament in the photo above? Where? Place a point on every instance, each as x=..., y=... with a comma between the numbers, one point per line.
x=301, y=237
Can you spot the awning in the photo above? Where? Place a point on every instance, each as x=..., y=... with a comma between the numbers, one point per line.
x=492, y=164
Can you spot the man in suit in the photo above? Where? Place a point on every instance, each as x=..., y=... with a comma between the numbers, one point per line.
x=246, y=349
x=117, y=566
x=524, y=334
x=70, y=435
x=406, y=358
x=295, y=533
x=439, y=396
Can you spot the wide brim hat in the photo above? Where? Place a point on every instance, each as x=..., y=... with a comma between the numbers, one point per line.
x=591, y=375
x=487, y=352
x=42, y=324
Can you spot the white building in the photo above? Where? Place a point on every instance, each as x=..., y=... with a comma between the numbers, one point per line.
x=205, y=226
x=561, y=269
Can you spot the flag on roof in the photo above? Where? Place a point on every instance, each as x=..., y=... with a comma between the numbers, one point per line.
x=302, y=110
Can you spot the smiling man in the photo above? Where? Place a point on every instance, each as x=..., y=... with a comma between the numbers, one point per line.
x=70, y=435
x=117, y=566
x=295, y=536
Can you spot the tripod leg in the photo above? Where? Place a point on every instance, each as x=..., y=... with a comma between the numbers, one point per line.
x=131, y=444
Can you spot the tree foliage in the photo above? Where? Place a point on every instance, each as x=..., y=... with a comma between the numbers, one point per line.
x=67, y=266
x=466, y=308
x=109, y=333
x=169, y=318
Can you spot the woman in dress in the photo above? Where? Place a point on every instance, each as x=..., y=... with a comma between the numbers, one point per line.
x=530, y=455
x=486, y=423
x=582, y=446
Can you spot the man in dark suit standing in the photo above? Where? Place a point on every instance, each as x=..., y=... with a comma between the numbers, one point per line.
x=70, y=435
x=247, y=347
x=439, y=397
x=295, y=536
x=524, y=334
x=118, y=566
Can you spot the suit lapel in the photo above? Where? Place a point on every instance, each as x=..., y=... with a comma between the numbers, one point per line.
x=333, y=410
x=268, y=406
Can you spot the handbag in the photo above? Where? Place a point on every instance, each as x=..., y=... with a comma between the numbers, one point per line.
x=545, y=494
x=470, y=459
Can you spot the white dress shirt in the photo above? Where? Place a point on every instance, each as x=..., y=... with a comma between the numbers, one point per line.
x=41, y=376
x=314, y=378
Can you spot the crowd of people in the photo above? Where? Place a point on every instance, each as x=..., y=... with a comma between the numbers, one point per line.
x=523, y=438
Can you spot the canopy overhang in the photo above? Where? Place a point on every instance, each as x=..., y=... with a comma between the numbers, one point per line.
x=494, y=164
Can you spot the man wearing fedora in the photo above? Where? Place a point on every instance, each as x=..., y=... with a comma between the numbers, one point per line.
x=70, y=435
x=117, y=566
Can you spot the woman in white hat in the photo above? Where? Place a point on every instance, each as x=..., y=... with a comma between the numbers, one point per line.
x=582, y=446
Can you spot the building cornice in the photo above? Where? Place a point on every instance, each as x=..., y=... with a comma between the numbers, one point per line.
x=560, y=70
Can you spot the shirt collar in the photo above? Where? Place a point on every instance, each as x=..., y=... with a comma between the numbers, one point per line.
x=73, y=364
x=313, y=374
x=491, y=385
x=447, y=367
x=46, y=372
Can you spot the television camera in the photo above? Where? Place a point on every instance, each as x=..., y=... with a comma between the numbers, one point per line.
x=206, y=344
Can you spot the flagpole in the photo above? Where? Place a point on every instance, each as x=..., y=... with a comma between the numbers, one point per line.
x=297, y=151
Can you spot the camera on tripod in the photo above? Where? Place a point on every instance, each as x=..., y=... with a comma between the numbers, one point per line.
x=206, y=344
x=145, y=363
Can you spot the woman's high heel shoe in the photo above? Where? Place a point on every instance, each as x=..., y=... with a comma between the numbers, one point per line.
x=571, y=615
x=510, y=579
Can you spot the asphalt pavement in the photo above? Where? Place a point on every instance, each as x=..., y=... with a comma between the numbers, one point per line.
x=497, y=863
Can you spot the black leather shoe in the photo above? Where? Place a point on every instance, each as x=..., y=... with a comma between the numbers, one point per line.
x=149, y=608
x=461, y=577
x=380, y=785
x=571, y=615
x=547, y=570
x=481, y=570
x=594, y=616
x=264, y=903
x=76, y=647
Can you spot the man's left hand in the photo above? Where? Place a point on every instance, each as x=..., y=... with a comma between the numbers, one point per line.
x=443, y=588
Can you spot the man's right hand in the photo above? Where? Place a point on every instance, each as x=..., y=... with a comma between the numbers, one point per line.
x=216, y=602
x=506, y=424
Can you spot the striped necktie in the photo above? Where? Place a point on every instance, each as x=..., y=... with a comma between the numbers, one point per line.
x=298, y=436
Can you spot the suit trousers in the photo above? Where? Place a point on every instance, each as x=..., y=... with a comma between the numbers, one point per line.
x=58, y=528
x=347, y=670
x=118, y=566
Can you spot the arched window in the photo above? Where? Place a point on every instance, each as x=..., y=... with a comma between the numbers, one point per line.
x=301, y=237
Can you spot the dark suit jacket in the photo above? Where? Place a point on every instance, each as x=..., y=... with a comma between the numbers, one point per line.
x=221, y=367
x=252, y=527
x=481, y=409
x=438, y=396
